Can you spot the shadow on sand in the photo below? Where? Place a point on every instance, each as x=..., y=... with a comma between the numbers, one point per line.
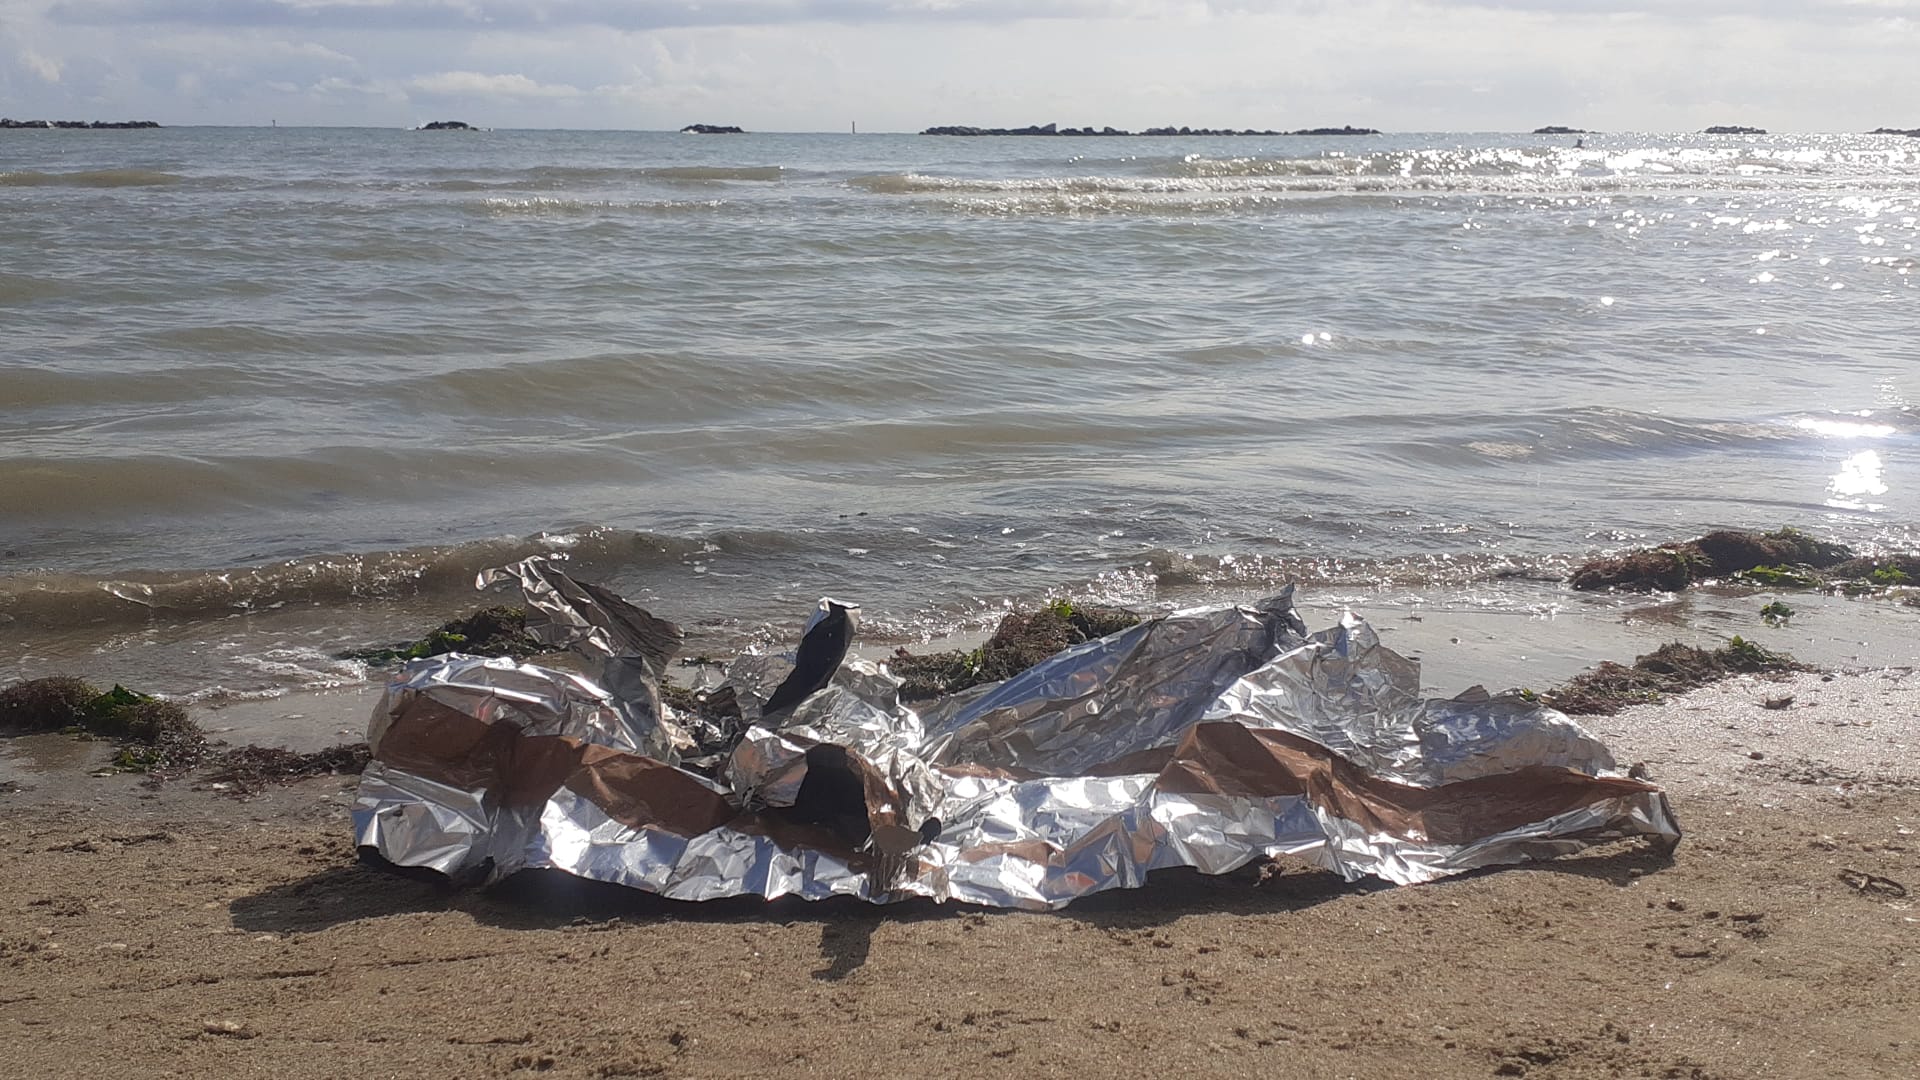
x=547, y=900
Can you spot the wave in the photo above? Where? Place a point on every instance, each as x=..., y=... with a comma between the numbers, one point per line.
x=590, y=174
x=54, y=601
x=715, y=172
x=540, y=178
x=1494, y=170
x=1254, y=184
x=551, y=177
x=91, y=178
x=547, y=205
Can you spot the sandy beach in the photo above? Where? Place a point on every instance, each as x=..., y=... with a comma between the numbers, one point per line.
x=178, y=932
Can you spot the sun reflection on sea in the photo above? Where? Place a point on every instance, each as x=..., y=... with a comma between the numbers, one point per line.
x=1840, y=428
x=1859, y=476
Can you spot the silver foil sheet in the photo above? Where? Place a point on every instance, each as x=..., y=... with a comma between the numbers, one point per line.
x=1206, y=738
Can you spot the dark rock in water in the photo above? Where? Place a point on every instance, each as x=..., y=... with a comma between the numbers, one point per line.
x=1720, y=554
x=1734, y=129
x=1336, y=131
x=711, y=129
x=1556, y=129
x=1911, y=133
x=1732, y=551
x=96, y=125
x=447, y=125
x=1036, y=129
x=1661, y=569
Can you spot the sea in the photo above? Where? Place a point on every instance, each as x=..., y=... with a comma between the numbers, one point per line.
x=268, y=395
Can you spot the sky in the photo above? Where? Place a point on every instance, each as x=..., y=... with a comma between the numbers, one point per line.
x=902, y=65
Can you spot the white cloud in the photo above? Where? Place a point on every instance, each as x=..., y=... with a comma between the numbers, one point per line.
x=44, y=66
x=475, y=84
x=1401, y=65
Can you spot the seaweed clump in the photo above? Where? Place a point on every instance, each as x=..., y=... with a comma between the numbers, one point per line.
x=1857, y=577
x=155, y=735
x=248, y=770
x=1673, y=668
x=1022, y=640
x=491, y=631
x=49, y=704
x=1772, y=558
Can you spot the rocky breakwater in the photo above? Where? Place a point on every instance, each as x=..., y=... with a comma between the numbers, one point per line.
x=1083, y=132
x=1911, y=133
x=712, y=129
x=88, y=125
x=1734, y=129
x=447, y=125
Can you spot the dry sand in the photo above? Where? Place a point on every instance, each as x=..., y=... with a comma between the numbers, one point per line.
x=178, y=933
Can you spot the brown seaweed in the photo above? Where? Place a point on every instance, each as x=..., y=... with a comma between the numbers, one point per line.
x=1672, y=668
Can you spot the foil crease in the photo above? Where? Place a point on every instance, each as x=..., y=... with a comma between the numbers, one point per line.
x=1207, y=738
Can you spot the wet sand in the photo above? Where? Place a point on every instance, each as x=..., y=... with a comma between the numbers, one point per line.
x=179, y=932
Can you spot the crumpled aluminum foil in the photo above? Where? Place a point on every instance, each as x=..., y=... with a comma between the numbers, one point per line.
x=1205, y=738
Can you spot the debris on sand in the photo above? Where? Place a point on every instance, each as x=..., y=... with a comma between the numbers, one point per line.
x=1673, y=668
x=154, y=734
x=1022, y=640
x=491, y=631
x=249, y=770
x=1207, y=737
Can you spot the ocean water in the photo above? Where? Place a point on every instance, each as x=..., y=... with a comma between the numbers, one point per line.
x=267, y=394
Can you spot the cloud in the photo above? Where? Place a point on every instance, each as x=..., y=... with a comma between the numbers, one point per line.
x=814, y=65
x=44, y=66
x=475, y=84
x=520, y=15
x=517, y=15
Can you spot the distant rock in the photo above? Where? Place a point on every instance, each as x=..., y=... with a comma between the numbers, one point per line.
x=1556, y=129
x=1037, y=129
x=1734, y=129
x=711, y=129
x=1085, y=132
x=447, y=125
x=96, y=125
x=1206, y=131
x=1911, y=133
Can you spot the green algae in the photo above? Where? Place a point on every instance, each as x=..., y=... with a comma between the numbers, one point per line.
x=1779, y=577
x=491, y=631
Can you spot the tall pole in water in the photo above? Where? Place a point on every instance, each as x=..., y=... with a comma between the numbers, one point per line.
x=854, y=128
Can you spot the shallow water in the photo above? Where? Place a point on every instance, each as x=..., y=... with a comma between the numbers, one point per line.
x=248, y=375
